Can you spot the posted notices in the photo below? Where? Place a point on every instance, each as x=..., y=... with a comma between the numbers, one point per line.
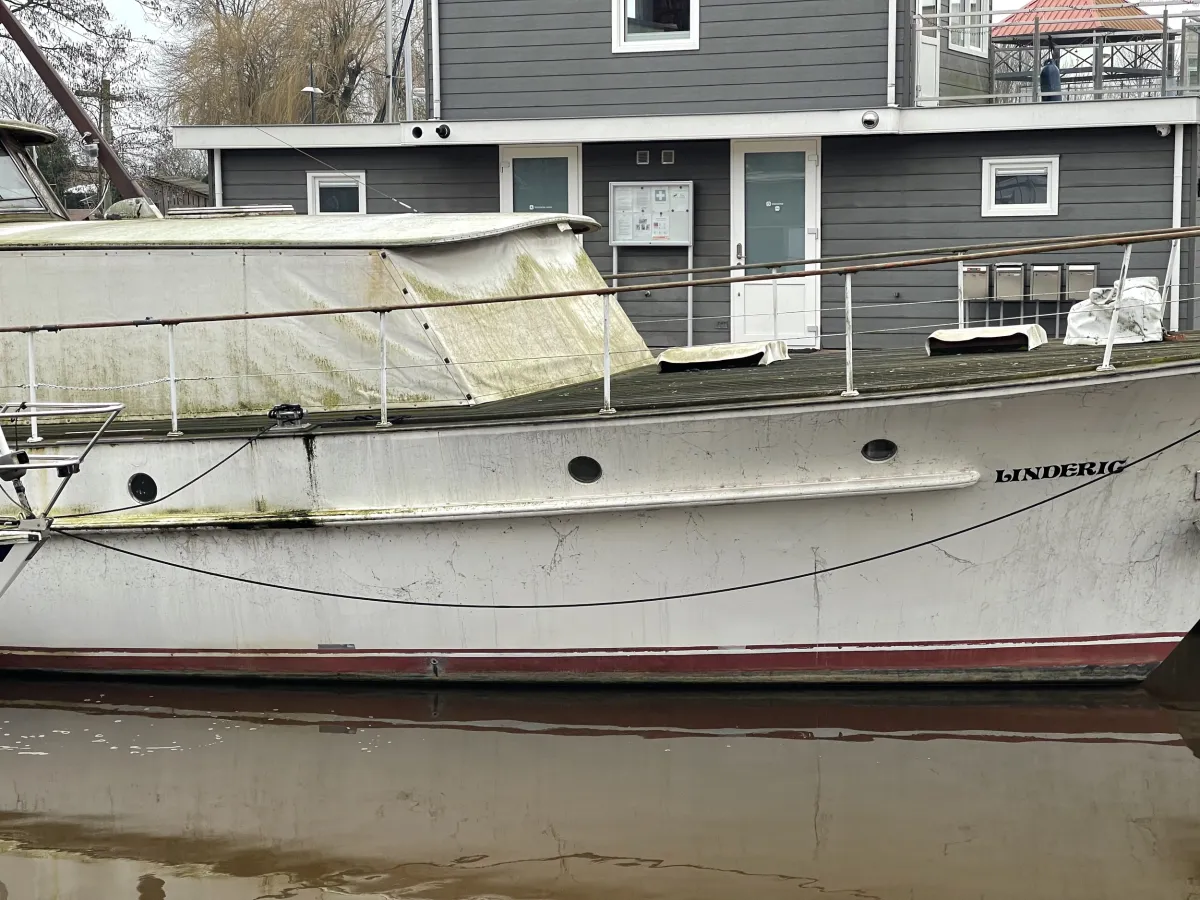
x=644, y=214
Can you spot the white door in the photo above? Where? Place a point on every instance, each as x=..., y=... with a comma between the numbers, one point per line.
x=775, y=217
x=545, y=179
x=929, y=56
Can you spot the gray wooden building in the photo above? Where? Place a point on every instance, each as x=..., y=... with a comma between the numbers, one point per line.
x=806, y=128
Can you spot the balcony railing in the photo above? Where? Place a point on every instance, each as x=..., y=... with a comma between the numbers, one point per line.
x=1101, y=52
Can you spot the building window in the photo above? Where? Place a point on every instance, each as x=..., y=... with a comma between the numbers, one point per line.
x=1020, y=186
x=641, y=26
x=334, y=193
x=541, y=179
x=969, y=26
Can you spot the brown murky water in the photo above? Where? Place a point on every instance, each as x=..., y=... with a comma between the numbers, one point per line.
x=158, y=792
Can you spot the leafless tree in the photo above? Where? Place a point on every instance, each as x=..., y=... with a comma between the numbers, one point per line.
x=246, y=61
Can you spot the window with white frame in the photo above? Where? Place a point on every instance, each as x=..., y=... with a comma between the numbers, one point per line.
x=1020, y=186
x=641, y=26
x=337, y=193
x=969, y=26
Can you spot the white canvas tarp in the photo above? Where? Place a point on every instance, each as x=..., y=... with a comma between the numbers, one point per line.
x=1139, y=314
x=442, y=355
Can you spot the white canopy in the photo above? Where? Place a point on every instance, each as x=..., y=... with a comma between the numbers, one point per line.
x=106, y=271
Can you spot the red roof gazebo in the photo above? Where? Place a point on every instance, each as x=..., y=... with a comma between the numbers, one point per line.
x=1106, y=49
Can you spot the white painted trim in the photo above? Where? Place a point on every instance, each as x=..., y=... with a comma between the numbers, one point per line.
x=574, y=156
x=435, y=54
x=620, y=44
x=723, y=126
x=1177, y=222
x=737, y=223
x=218, y=179
x=892, y=37
x=984, y=15
x=996, y=165
x=318, y=179
x=926, y=94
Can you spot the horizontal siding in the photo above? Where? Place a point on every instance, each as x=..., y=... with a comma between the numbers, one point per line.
x=929, y=192
x=514, y=59
x=963, y=74
x=445, y=179
x=662, y=317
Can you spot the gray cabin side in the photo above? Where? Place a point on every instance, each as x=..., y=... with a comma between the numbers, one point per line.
x=524, y=59
x=877, y=192
x=925, y=192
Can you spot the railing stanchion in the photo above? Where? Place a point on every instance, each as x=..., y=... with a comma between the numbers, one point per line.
x=34, y=437
x=775, y=305
x=849, y=391
x=962, y=298
x=1107, y=365
x=1036, y=69
x=172, y=381
x=1170, y=290
x=384, y=421
x=607, y=408
x=1166, y=50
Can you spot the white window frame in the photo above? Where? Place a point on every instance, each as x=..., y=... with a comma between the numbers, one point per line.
x=969, y=17
x=573, y=154
x=621, y=44
x=317, y=180
x=1020, y=165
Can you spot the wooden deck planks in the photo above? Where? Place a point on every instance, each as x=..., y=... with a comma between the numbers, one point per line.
x=805, y=376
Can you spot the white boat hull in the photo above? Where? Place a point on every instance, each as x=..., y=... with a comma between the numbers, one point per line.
x=1096, y=584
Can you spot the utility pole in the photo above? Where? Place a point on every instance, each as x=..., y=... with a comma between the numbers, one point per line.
x=389, y=114
x=107, y=98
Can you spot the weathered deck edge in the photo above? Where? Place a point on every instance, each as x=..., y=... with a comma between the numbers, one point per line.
x=815, y=379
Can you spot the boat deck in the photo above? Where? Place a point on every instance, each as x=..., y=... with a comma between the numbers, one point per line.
x=805, y=376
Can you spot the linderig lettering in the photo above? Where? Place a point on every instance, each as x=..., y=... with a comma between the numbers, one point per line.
x=1061, y=470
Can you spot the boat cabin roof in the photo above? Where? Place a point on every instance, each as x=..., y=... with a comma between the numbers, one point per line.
x=27, y=133
x=328, y=231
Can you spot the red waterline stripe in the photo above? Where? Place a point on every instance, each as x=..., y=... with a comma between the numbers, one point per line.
x=449, y=665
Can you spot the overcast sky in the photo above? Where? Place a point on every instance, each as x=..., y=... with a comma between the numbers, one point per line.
x=129, y=13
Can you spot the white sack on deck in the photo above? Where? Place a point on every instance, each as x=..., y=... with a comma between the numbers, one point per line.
x=1139, y=316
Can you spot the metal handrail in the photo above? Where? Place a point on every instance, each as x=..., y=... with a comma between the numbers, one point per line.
x=1050, y=245
x=966, y=253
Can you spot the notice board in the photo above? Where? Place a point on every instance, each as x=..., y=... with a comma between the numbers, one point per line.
x=650, y=213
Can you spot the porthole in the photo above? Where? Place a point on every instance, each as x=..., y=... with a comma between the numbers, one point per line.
x=584, y=469
x=143, y=488
x=879, y=450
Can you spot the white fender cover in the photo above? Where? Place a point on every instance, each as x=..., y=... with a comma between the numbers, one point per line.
x=986, y=340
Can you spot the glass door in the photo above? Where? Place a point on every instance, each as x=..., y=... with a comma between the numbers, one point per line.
x=774, y=208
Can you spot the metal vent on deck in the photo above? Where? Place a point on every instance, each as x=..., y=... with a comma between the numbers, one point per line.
x=228, y=212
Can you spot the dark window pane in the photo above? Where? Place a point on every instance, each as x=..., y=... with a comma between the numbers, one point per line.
x=338, y=198
x=540, y=185
x=775, y=206
x=1024, y=189
x=651, y=18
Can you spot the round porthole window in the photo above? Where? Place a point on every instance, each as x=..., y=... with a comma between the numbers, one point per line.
x=879, y=450
x=584, y=469
x=142, y=488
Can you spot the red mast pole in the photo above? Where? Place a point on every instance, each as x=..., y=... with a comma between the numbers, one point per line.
x=117, y=173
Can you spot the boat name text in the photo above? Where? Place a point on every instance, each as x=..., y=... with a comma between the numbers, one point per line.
x=1067, y=470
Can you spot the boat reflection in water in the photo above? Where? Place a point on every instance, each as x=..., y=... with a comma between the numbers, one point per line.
x=182, y=792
